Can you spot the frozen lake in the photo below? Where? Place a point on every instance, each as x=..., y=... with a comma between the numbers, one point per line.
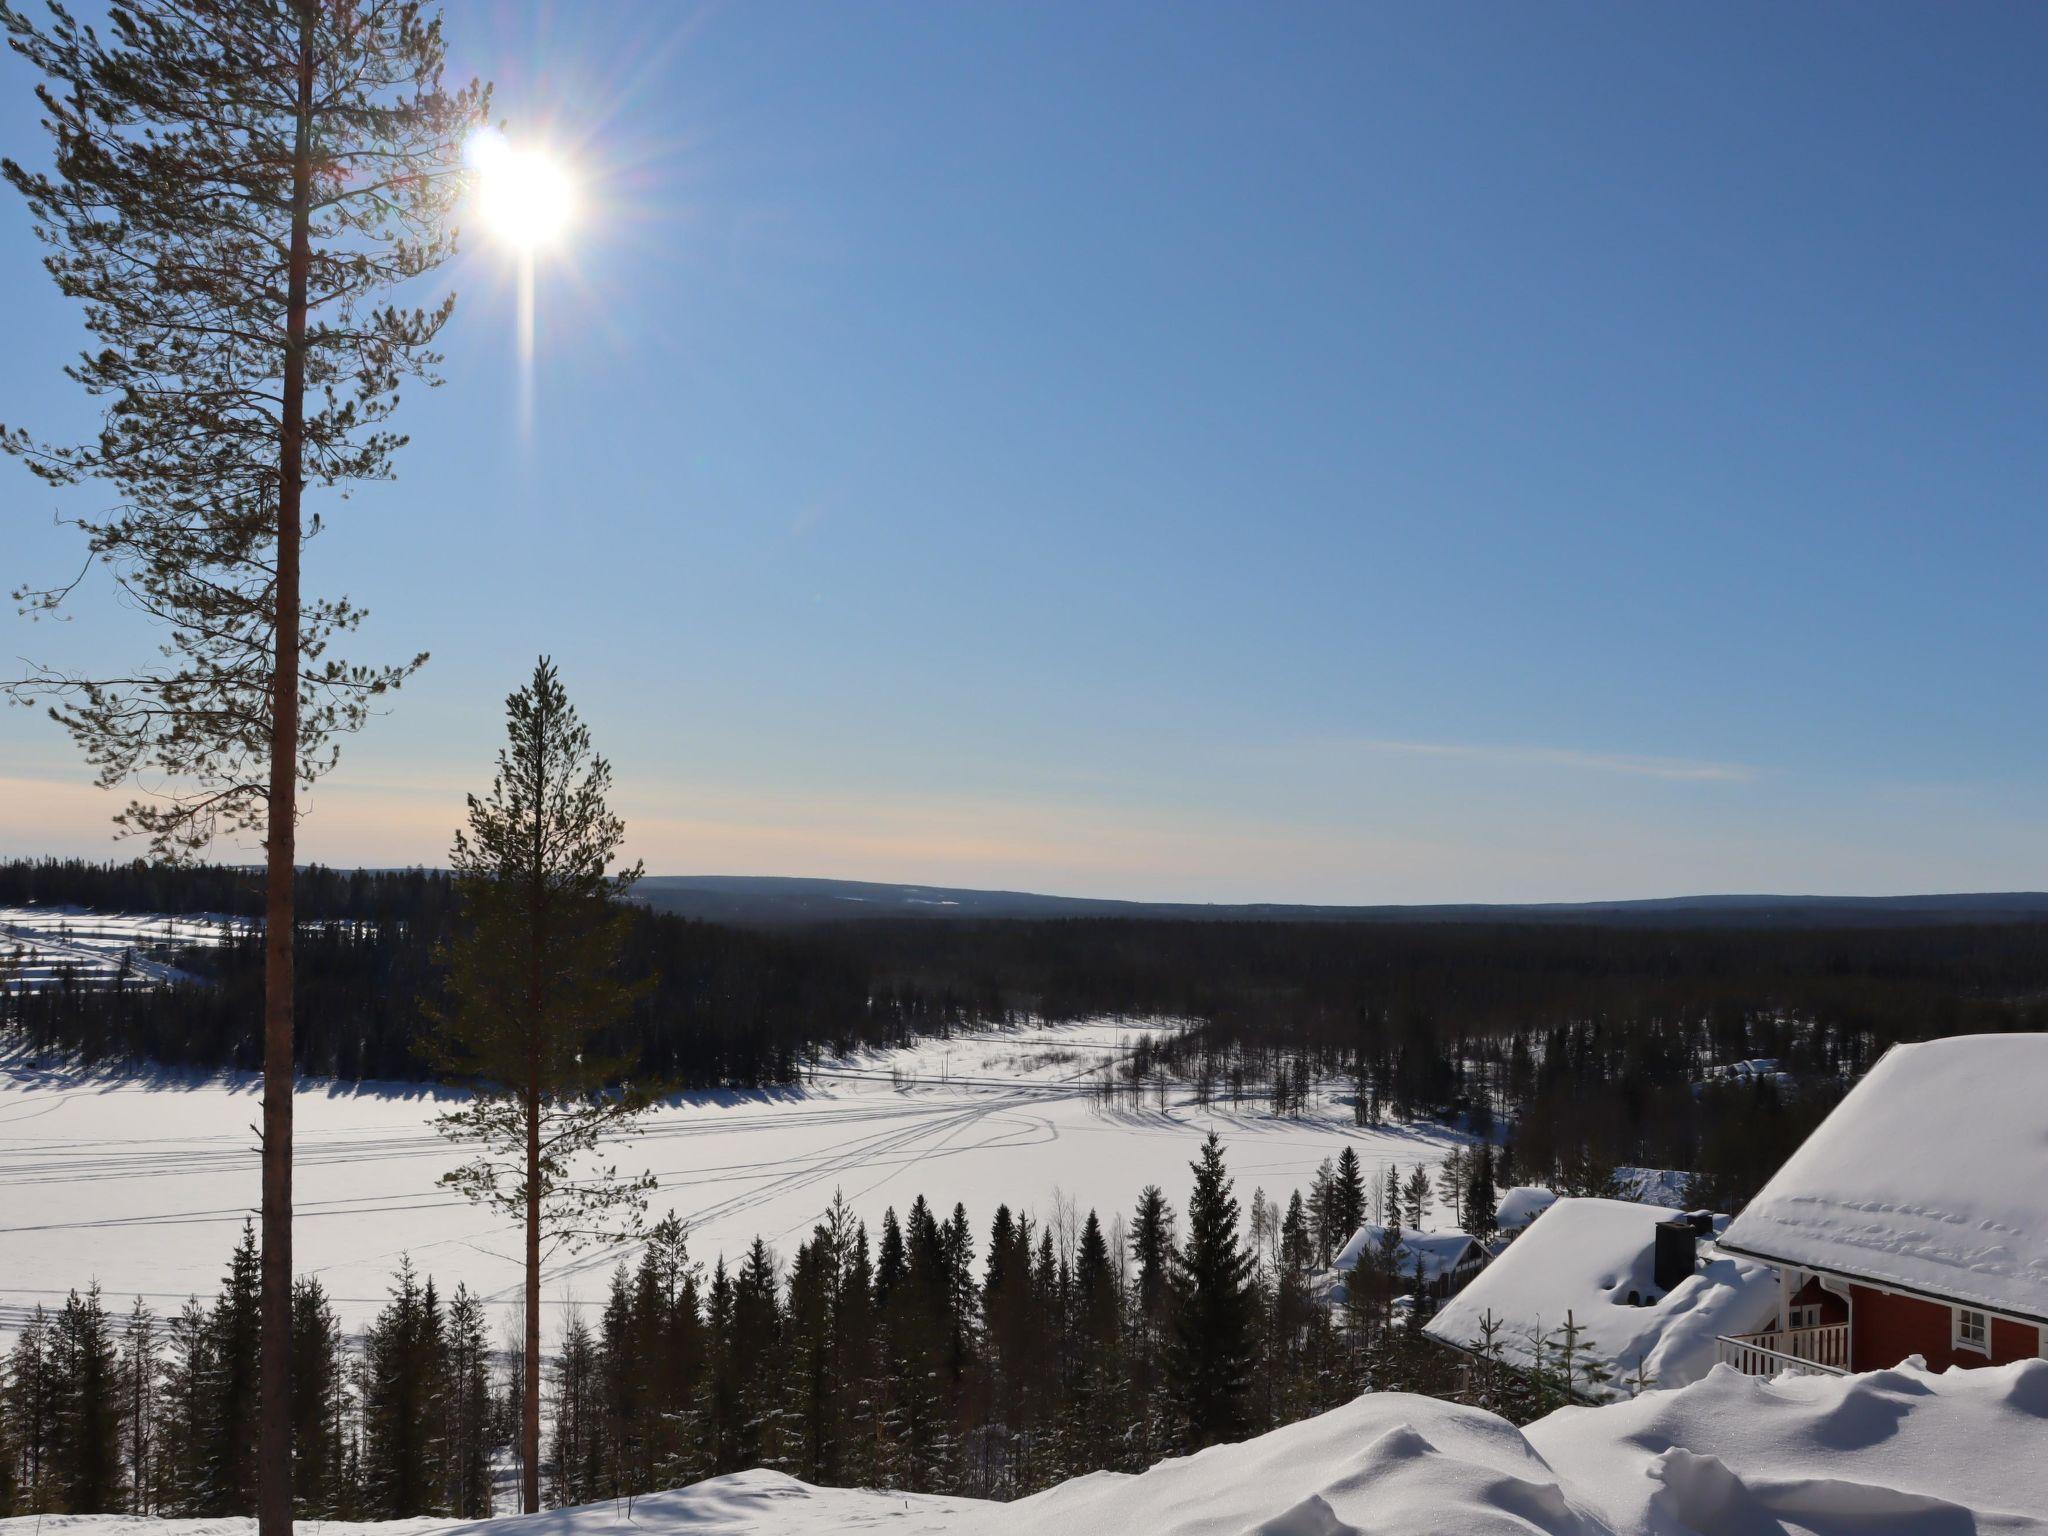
x=143, y=1182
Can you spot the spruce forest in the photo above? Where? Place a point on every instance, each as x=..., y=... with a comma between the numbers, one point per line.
x=926, y=1356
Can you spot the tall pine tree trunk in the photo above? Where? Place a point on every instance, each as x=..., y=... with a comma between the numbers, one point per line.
x=529, y=1416
x=536, y=987
x=274, y=1443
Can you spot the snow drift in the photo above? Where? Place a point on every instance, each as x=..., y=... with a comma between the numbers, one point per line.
x=1904, y=1452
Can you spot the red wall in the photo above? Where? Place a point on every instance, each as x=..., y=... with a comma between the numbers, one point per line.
x=1832, y=1308
x=1884, y=1329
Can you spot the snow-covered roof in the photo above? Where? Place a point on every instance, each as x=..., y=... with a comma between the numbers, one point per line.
x=1932, y=1175
x=1440, y=1252
x=1522, y=1205
x=1584, y=1258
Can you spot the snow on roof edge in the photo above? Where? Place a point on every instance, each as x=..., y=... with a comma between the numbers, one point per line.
x=1843, y=1203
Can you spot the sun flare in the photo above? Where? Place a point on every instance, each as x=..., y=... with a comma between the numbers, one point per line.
x=525, y=194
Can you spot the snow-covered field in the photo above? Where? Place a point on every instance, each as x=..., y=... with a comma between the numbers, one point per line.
x=1902, y=1452
x=143, y=1181
x=40, y=944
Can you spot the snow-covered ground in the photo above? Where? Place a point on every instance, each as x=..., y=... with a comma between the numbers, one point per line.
x=40, y=944
x=1894, y=1453
x=143, y=1181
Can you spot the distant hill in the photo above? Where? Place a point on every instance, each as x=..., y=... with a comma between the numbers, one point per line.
x=767, y=900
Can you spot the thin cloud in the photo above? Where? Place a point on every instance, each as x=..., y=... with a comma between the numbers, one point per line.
x=1673, y=768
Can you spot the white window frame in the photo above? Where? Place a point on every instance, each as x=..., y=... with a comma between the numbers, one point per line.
x=1805, y=1315
x=1980, y=1345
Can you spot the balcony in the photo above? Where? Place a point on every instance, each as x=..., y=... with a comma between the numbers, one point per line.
x=1819, y=1351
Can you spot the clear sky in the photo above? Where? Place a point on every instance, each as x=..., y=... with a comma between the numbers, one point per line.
x=1315, y=452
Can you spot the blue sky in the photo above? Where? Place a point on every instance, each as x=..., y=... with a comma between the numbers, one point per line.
x=1218, y=452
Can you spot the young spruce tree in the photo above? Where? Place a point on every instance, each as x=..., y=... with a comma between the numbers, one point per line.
x=235, y=187
x=1209, y=1358
x=532, y=985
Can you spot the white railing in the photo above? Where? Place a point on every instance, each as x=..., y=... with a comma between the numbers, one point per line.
x=1822, y=1350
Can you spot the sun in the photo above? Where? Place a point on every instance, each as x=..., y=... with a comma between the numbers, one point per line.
x=525, y=194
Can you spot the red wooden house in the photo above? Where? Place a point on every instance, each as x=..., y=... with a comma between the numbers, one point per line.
x=1914, y=1221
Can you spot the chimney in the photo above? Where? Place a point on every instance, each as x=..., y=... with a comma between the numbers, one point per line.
x=1676, y=1252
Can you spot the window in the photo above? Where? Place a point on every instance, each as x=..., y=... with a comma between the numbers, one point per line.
x=1973, y=1331
x=1807, y=1316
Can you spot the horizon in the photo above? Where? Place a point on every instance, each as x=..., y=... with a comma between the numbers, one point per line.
x=1351, y=457
x=1669, y=898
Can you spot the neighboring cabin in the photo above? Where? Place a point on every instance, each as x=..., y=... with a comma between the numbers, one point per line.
x=1644, y=1285
x=1447, y=1260
x=1914, y=1221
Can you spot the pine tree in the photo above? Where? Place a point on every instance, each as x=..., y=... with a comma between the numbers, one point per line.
x=621, y=1385
x=190, y=1396
x=1451, y=1177
x=576, y=1453
x=1482, y=1206
x=854, y=1334
x=669, y=1284
x=466, y=1424
x=1418, y=1294
x=319, y=1403
x=1415, y=1198
x=1323, y=1214
x=1297, y=1247
x=141, y=1377
x=237, y=184
x=10, y=1486
x=1265, y=1229
x=229, y=1395
x=1487, y=1381
x=32, y=1407
x=1152, y=1247
x=756, y=1347
x=1292, y=1301
x=719, y=1412
x=403, y=1391
x=1349, y=1194
x=810, y=1382
x=1095, y=1288
x=1210, y=1360
x=890, y=1264
x=532, y=975
x=86, y=1363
